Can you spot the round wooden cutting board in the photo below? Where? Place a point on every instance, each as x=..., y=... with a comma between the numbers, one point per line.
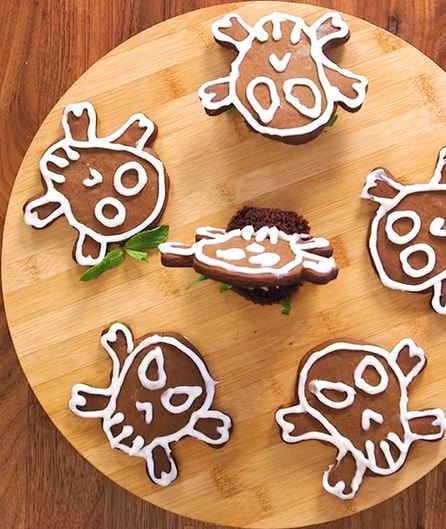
x=216, y=165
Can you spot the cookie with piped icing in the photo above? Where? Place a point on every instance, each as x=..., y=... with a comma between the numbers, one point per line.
x=160, y=392
x=108, y=188
x=282, y=80
x=355, y=397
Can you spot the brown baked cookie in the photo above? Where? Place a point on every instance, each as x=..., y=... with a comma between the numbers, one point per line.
x=160, y=391
x=254, y=258
x=108, y=188
x=282, y=81
x=408, y=232
x=354, y=396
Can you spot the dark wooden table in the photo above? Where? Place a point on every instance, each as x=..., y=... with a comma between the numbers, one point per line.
x=44, y=46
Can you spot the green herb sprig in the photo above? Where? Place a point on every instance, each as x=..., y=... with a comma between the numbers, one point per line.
x=136, y=248
x=286, y=307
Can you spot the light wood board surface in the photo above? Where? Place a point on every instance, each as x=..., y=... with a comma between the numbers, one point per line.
x=215, y=166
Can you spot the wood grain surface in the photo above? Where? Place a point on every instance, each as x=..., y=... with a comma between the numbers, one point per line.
x=44, y=47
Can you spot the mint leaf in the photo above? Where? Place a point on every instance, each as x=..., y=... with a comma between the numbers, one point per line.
x=332, y=120
x=225, y=288
x=198, y=279
x=147, y=239
x=286, y=307
x=113, y=259
x=139, y=256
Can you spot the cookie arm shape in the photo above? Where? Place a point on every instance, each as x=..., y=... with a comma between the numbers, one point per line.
x=88, y=401
x=161, y=466
x=344, y=478
x=138, y=131
x=176, y=254
x=331, y=27
x=440, y=170
x=118, y=342
x=438, y=301
x=215, y=95
x=380, y=186
x=409, y=357
x=89, y=251
x=79, y=122
x=350, y=89
x=211, y=426
x=296, y=425
x=42, y=211
x=231, y=30
x=427, y=425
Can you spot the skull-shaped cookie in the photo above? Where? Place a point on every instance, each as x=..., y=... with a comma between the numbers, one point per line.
x=282, y=82
x=160, y=391
x=408, y=233
x=355, y=397
x=248, y=258
x=109, y=188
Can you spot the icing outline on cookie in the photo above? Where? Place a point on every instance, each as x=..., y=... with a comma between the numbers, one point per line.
x=68, y=146
x=405, y=349
x=215, y=102
x=111, y=417
x=379, y=185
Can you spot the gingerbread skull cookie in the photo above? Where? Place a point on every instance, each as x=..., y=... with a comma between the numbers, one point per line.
x=282, y=81
x=354, y=396
x=408, y=233
x=108, y=188
x=247, y=258
x=160, y=391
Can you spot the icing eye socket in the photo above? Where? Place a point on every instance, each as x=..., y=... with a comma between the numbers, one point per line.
x=151, y=372
x=408, y=224
x=336, y=395
x=260, y=89
x=293, y=88
x=418, y=260
x=94, y=179
x=124, y=180
x=437, y=228
x=110, y=212
x=180, y=399
x=371, y=376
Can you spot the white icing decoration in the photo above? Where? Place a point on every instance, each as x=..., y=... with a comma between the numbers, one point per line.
x=332, y=94
x=311, y=112
x=368, y=416
x=317, y=387
x=265, y=259
x=111, y=417
x=94, y=179
x=231, y=254
x=394, y=236
x=437, y=228
x=386, y=205
x=300, y=246
x=117, y=219
x=254, y=247
x=343, y=444
x=191, y=393
x=156, y=355
x=140, y=184
x=147, y=408
x=361, y=383
x=73, y=150
x=415, y=248
x=280, y=65
x=266, y=115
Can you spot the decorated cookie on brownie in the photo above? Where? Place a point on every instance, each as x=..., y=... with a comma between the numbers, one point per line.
x=408, y=232
x=108, y=188
x=263, y=254
x=160, y=391
x=282, y=81
x=354, y=396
